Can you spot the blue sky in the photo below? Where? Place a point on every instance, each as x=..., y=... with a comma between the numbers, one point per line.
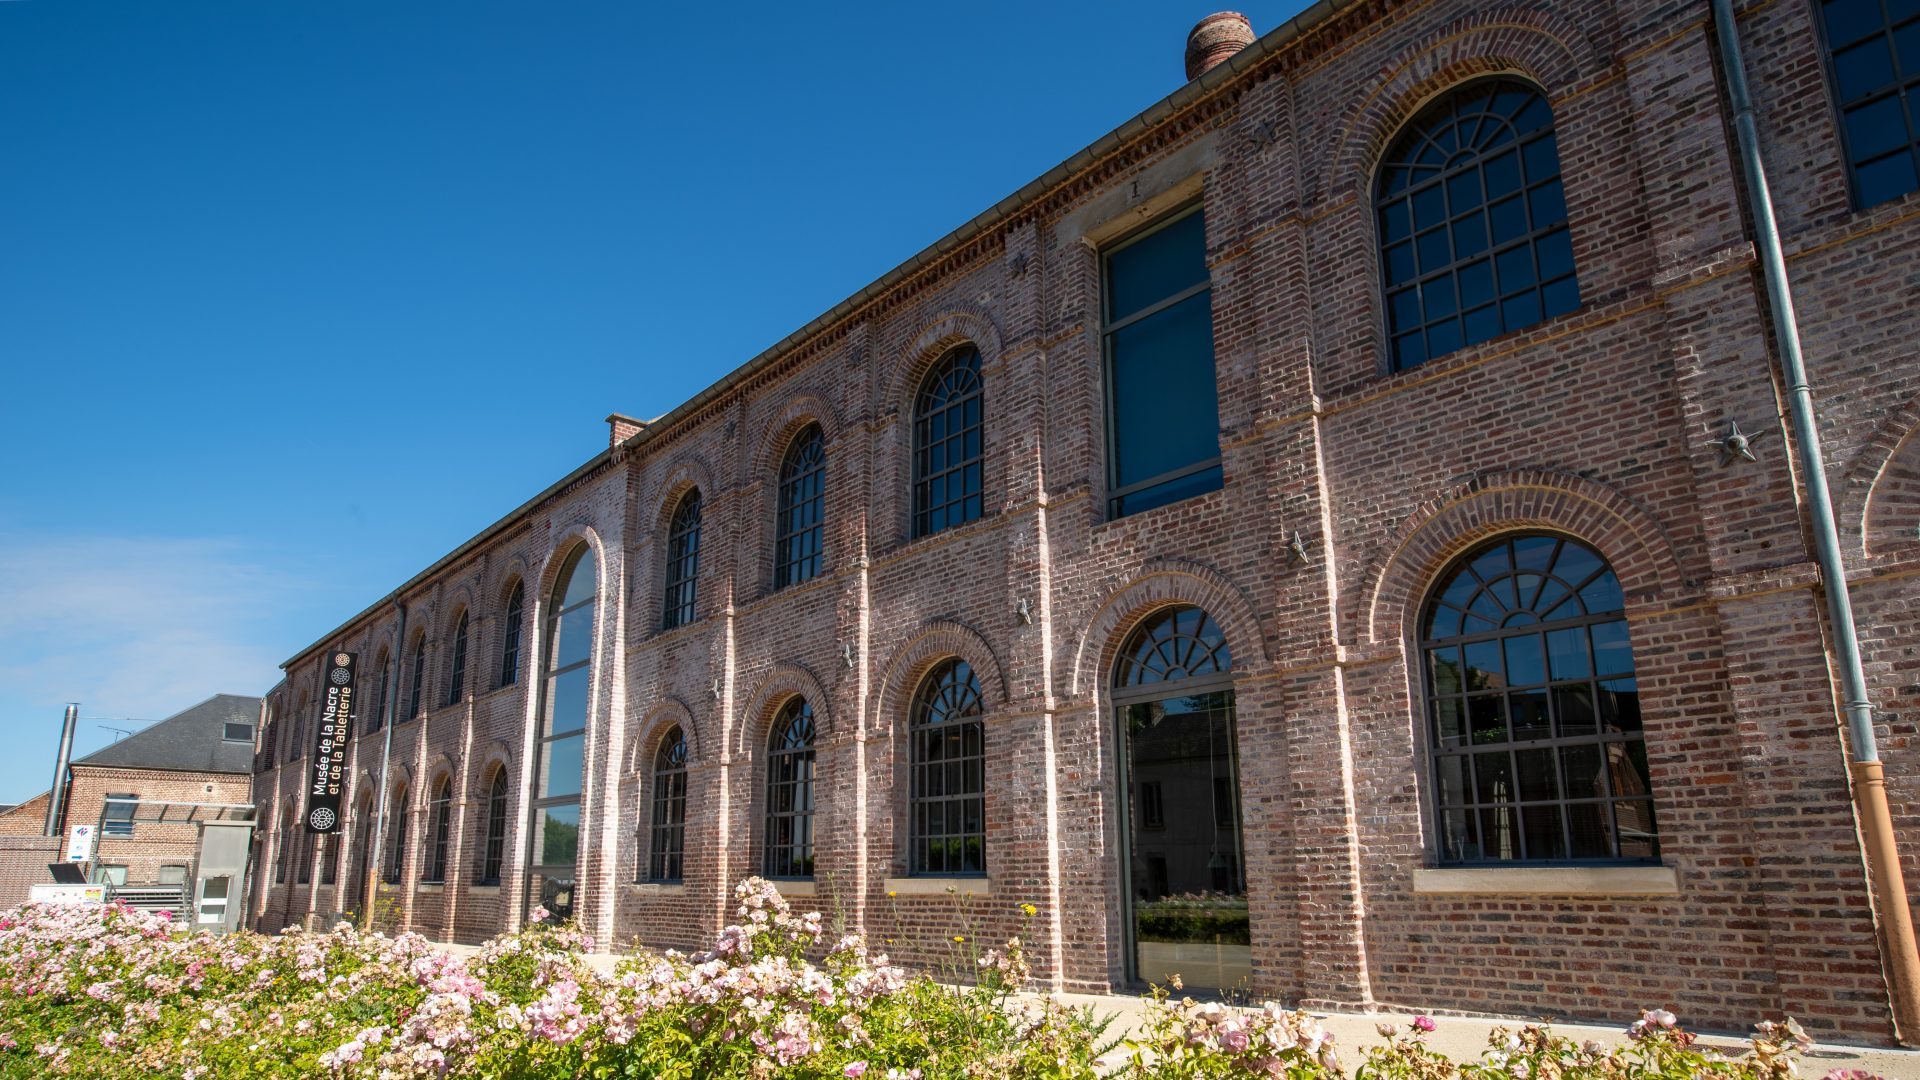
x=485, y=224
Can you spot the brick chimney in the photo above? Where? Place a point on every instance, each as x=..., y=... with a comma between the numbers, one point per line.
x=1214, y=39
x=621, y=428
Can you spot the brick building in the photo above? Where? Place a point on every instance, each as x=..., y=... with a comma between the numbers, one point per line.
x=202, y=755
x=1292, y=541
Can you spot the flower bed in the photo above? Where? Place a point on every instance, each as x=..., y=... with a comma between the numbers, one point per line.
x=108, y=992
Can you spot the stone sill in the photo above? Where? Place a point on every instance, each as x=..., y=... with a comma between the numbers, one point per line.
x=431, y=886
x=654, y=888
x=795, y=886
x=483, y=890
x=1549, y=881
x=939, y=886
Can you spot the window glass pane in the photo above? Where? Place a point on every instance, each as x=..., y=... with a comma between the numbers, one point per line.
x=1487, y=718
x=1849, y=20
x=582, y=579
x=558, y=829
x=567, y=697
x=1156, y=266
x=573, y=637
x=1888, y=178
x=560, y=766
x=1863, y=68
x=1165, y=408
x=1876, y=127
x=1543, y=832
x=1525, y=664
x=1530, y=716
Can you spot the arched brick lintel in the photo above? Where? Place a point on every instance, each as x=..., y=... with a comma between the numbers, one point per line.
x=934, y=641
x=786, y=680
x=1541, y=47
x=1625, y=535
x=1165, y=583
x=1882, y=485
x=960, y=326
x=662, y=717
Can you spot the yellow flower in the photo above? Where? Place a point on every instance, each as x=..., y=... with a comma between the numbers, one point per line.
x=959, y=937
x=891, y=893
x=1029, y=910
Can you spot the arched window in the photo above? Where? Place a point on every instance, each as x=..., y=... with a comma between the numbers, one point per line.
x=302, y=852
x=796, y=549
x=382, y=677
x=330, y=861
x=1873, y=58
x=296, y=746
x=286, y=846
x=789, y=839
x=1534, y=714
x=683, y=562
x=419, y=676
x=457, y=673
x=363, y=851
x=439, y=824
x=1180, y=789
x=510, y=635
x=493, y=845
x=561, y=745
x=948, y=455
x=397, y=857
x=1473, y=224
x=947, y=833
x=666, y=855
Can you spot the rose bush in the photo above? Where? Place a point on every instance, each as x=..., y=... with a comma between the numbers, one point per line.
x=110, y=992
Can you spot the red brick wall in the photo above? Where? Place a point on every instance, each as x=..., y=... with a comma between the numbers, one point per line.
x=1597, y=424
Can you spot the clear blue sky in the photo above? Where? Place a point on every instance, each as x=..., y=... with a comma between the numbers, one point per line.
x=487, y=224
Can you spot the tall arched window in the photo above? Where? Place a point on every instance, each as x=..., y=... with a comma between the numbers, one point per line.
x=419, y=676
x=397, y=854
x=948, y=445
x=1534, y=713
x=493, y=845
x=510, y=635
x=666, y=854
x=382, y=677
x=1472, y=221
x=439, y=825
x=457, y=673
x=363, y=852
x=683, y=562
x=796, y=549
x=286, y=846
x=789, y=837
x=1180, y=786
x=562, y=737
x=946, y=746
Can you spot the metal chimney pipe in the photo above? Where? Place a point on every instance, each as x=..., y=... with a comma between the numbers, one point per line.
x=57, y=794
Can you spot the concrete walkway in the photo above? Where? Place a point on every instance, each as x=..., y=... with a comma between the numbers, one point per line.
x=1459, y=1037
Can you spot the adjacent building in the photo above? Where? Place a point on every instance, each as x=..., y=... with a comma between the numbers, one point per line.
x=1294, y=542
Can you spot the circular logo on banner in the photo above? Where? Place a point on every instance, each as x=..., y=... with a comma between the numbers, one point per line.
x=340, y=676
x=340, y=659
x=321, y=818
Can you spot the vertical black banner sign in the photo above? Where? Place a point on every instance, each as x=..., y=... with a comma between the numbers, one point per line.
x=327, y=766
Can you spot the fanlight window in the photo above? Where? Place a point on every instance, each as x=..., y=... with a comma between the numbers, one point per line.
x=947, y=759
x=796, y=556
x=1175, y=643
x=790, y=764
x=1473, y=222
x=948, y=459
x=1533, y=709
x=666, y=856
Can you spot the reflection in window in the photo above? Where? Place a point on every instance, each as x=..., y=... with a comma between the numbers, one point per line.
x=397, y=857
x=947, y=760
x=117, y=814
x=796, y=550
x=1534, y=711
x=948, y=459
x=666, y=855
x=789, y=836
x=1473, y=222
x=1873, y=55
x=560, y=746
x=683, y=562
x=1163, y=408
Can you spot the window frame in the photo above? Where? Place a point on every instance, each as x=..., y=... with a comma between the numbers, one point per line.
x=779, y=861
x=551, y=669
x=112, y=826
x=793, y=563
x=439, y=831
x=1836, y=107
x=1109, y=327
x=418, y=697
x=920, y=445
x=457, y=664
x=510, y=631
x=680, y=594
x=667, y=828
x=396, y=867
x=493, y=838
x=1434, y=753
x=919, y=707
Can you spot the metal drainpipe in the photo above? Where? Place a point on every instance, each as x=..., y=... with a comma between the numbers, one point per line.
x=1901, y=960
x=386, y=758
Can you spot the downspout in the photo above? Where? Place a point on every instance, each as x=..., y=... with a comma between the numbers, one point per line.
x=1899, y=958
x=392, y=676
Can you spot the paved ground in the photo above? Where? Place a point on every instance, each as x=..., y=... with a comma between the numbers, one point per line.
x=1465, y=1036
